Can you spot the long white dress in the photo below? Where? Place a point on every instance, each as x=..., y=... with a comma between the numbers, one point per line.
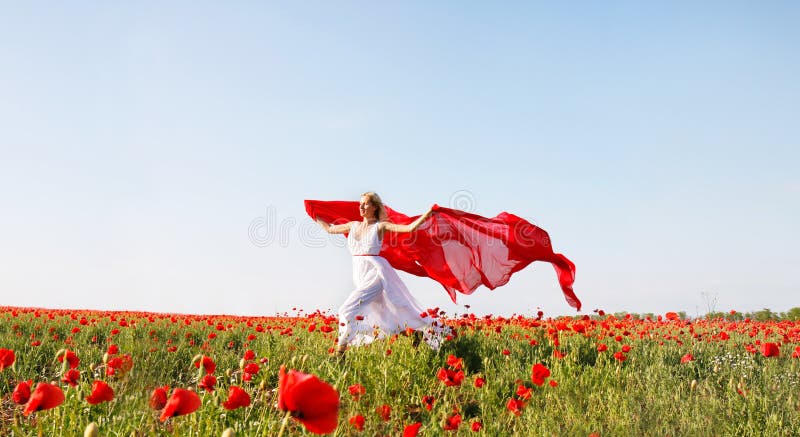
x=380, y=305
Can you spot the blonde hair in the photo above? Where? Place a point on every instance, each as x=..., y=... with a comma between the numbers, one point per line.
x=380, y=210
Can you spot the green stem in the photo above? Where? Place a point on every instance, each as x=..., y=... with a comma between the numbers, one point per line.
x=285, y=421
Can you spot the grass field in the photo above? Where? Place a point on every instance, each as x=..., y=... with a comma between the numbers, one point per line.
x=608, y=375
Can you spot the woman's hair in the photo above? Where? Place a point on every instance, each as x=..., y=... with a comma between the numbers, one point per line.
x=380, y=210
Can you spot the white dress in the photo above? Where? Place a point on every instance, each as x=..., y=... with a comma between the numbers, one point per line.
x=380, y=305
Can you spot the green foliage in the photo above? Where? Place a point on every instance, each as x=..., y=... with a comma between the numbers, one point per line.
x=724, y=390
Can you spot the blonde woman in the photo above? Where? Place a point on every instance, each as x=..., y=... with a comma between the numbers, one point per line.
x=380, y=305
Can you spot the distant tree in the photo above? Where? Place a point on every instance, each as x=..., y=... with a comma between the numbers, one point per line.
x=764, y=315
x=792, y=314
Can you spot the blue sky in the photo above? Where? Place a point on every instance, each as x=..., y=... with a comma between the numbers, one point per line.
x=657, y=144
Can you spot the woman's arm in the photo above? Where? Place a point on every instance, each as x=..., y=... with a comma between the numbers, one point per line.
x=411, y=227
x=334, y=229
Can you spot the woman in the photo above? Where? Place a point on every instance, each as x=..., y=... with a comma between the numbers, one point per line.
x=380, y=305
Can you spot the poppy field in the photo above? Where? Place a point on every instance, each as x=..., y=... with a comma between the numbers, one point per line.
x=76, y=372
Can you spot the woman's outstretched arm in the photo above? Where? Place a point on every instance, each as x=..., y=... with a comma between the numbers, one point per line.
x=411, y=227
x=334, y=229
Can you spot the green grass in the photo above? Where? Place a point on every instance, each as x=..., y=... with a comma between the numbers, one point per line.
x=735, y=392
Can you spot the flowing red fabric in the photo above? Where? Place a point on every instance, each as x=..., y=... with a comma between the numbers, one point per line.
x=458, y=249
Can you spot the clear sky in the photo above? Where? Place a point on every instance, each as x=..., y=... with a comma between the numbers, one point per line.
x=156, y=156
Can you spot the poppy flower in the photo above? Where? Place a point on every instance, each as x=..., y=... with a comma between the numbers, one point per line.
x=6, y=358
x=71, y=377
x=479, y=382
x=450, y=377
x=385, y=412
x=357, y=422
x=181, y=402
x=249, y=354
x=428, y=402
x=208, y=383
x=452, y=422
x=524, y=392
x=208, y=364
x=237, y=397
x=158, y=399
x=620, y=356
x=311, y=401
x=770, y=350
x=101, y=392
x=71, y=357
x=687, y=358
x=602, y=347
x=119, y=365
x=411, y=430
x=112, y=349
x=476, y=426
x=22, y=392
x=251, y=368
x=44, y=397
x=538, y=374
x=356, y=390
x=454, y=362
x=515, y=406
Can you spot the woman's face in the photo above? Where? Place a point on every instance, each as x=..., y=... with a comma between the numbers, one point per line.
x=366, y=208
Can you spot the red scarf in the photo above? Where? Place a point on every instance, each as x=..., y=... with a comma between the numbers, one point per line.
x=460, y=250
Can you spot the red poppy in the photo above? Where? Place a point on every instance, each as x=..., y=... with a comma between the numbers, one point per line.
x=312, y=401
x=452, y=422
x=119, y=365
x=770, y=350
x=249, y=354
x=101, y=392
x=412, y=430
x=506, y=352
x=357, y=422
x=181, y=402
x=620, y=356
x=602, y=347
x=22, y=392
x=71, y=377
x=112, y=349
x=385, y=412
x=553, y=383
x=72, y=359
x=515, y=406
x=158, y=399
x=538, y=374
x=356, y=390
x=208, y=383
x=6, y=358
x=251, y=368
x=673, y=316
x=479, y=382
x=524, y=392
x=796, y=353
x=450, y=377
x=476, y=426
x=428, y=402
x=454, y=362
x=208, y=364
x=687, y=358
x=237, y=397
x=44, y=397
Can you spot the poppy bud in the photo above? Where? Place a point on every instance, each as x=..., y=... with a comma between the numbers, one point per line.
x=91, y=430
x=693, y=385
x=105, y=358
x=228, y=432
x=242, y=362
x=262, y=385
